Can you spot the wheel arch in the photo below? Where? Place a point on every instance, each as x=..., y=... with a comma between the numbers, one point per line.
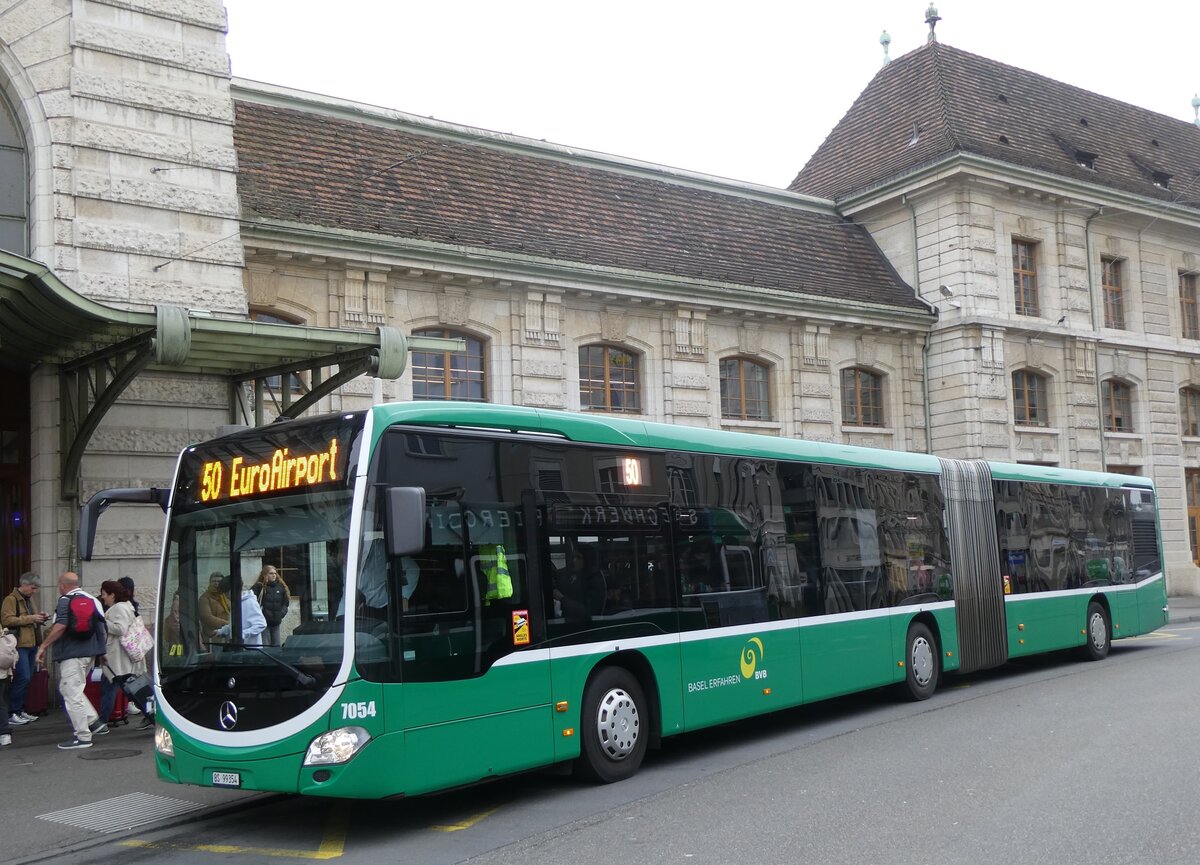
x=637, y=665
x=926, y=618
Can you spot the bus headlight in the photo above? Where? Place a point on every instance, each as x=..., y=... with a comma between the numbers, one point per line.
x=336, y=746
x=163, y=743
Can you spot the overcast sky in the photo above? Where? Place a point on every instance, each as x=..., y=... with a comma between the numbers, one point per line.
x=746, y=90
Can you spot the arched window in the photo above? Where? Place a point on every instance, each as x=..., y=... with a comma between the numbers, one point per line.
x=449, y=375
x=862, y=397
x=1118, y=405
x=1189, y=410
x=745, y=389
x=13, y=229
x=1031, y=404
x=608, y=379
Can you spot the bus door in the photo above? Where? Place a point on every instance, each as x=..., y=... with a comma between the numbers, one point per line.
x=737, y=660
x=475, y=694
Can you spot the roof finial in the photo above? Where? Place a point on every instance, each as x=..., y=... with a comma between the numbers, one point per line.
x=1196, y=108
x=885, y=41
x=931, y=18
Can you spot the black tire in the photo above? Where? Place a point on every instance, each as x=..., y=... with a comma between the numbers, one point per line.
x=614, y=727
x=1097, y=633
x=922, y=665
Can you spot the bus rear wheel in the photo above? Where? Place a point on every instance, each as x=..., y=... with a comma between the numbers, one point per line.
x=920, y=662
x=1099, y=635
x=613, y=727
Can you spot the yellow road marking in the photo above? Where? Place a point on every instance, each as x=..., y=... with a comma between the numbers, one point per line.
x=1153, y=635
x=466, y=824
x=332, y=845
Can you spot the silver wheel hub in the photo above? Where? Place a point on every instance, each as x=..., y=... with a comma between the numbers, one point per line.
x=617, y=724
x=1099, y=633
x=922, y=661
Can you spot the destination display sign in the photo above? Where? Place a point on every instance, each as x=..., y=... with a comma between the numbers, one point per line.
x=283, y=471
x=269, y=462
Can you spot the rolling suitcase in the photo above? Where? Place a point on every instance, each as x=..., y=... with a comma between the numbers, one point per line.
x=140, y=691
x=37, y=697
x=120, y=712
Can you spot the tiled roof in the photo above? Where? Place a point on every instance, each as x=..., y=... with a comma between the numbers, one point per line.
x=953, y=101
x=396, y=179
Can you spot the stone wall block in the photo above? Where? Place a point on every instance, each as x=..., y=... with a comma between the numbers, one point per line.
x=543, y=369
x=176, y=391
x=132, y=440
x=148, y=46
x=692, y=408
x=53, y=74
x=694, y=382
x=554, y=400
x=175, y=100
x=36, y=32
x=201, y=13
x=156, y=194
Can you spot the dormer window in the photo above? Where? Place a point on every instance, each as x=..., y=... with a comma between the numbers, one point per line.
x=1085, y=160
x=1162, y=180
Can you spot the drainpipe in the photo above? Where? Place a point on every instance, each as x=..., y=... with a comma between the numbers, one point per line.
x=1096, y=322
x=928, y=334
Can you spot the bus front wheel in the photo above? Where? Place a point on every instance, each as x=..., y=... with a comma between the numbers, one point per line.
x=1099, y=635
x=613, y=727
x=921, y=662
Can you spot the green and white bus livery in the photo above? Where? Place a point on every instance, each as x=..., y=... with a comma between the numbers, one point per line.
x=477, y=590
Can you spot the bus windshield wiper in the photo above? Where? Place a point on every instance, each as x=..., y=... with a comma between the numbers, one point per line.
x=303, y=679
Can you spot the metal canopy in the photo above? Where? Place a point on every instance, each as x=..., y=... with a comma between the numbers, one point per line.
x=101, y=349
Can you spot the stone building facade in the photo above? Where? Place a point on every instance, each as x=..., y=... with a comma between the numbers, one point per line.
x=1057, y=232
x=577, y=280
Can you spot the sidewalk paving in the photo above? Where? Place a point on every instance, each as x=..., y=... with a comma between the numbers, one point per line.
x=60, y=801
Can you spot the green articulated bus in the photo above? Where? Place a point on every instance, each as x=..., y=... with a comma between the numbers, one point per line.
x=477, y=590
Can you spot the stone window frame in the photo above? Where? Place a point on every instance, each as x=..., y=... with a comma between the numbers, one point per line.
x=1189, y=308
x=1026, y=297
x=622, y=393
x=1112, y=286
x=1026, y=412
x=1117, y=405
x=14, y=215
x=473, y=372
x=862, y=381
x=1191, y=491
x=739, y=399
x=1189, y=411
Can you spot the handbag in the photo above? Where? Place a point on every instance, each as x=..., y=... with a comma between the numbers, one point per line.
x=136, y=641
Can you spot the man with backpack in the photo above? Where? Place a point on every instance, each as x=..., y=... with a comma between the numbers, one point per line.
x=79, y=636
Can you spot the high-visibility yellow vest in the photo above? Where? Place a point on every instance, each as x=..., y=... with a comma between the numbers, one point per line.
x=499, y=583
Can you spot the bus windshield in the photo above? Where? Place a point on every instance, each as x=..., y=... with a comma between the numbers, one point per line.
x=253, y=575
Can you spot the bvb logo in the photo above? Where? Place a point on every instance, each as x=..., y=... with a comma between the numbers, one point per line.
x=752, y=652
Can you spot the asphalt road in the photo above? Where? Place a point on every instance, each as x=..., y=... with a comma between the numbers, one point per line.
x=1048, y=760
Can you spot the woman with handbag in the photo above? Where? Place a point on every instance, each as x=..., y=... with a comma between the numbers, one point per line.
x=120, y=666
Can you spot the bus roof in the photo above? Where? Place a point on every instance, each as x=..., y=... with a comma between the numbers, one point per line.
x=606, y=429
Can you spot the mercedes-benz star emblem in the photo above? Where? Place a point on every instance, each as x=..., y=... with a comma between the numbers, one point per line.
x=227, y=717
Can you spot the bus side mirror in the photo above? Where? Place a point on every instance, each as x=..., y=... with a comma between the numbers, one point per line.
x=90, y=511
x=405, y=528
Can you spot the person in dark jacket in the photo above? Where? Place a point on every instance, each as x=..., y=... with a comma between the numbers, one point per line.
x=75, y=654
x=274, y=598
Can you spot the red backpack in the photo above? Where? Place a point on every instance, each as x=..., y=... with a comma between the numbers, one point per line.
x=82, y=616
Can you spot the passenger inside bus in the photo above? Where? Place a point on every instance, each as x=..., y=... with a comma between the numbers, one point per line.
x=580, y=587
